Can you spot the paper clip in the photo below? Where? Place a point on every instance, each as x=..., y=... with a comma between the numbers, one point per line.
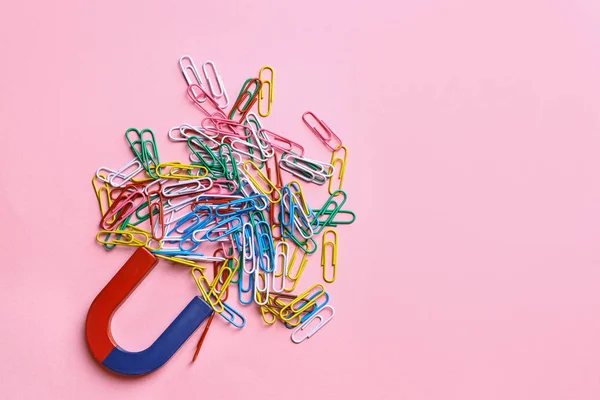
x=321, y=324
x=236, y=225
x=322, y=302
x=308, y=246
x=289, y=312
x=281, y=143
x=246, y=289
x=157, y=224
x=279, y=182
x=178, y=170
x=191, y=67
x=252, y=150
x=303, y=223
x=297, y=187
x=219, y=86
x=334, y=246
x=309, y=170
x=262, y=90
x=336, y=222
x=270, y=186
x=324, y=137
x=229, y=314
x=245, y=93
x=198, y=99
x=336, y=159
x=182, y=261
x=263, y=291
x=223, y=290
x=122, y=207
x=207, y=158
x=230, y=173
x=124, y=238
x=186, y=187
x=286, y=208
x=102, y=193
x=296, y=277
x=281, y=300
x=125, y=173
x=280, y=254
x=266, y=310
x=248, y=246
x=187, y=132
x=329, y=213
x=144, y=149
x=222, y=126
x=208, y=295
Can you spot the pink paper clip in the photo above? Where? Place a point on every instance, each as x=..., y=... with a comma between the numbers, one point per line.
x=201, y=98
x=324, y=137
x=225, y=127
x=278, y=142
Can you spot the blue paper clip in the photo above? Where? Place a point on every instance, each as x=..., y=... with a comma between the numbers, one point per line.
x=252, y=206
x=229, y=313
x=188, y=239
x=234, y=228
x=242, y=290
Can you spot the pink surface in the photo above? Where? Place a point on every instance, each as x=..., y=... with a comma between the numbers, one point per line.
x=473, y=269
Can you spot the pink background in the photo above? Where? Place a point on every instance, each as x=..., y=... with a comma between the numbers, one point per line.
x=473, y=269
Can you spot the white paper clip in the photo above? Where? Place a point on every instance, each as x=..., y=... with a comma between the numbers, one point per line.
x=322, y=323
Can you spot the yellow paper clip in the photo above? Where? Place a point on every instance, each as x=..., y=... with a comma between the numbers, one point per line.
x=271, y=308
x=299, y=195
x=271, y=187
x=228, y=262
x=266, y=310
x=145, y=177
x=282, y=248
x=288, y=312
x=125, y=238
x=223, y=289
x=178, y=170
x=334, y=246
x=209, y=296
x=147, y=245
x=335, y=159
x=262, y=90
x=276, y=304
x=102, y=192
x=296, y=277
x=179, y=260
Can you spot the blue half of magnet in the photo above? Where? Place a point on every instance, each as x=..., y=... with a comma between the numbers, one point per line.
x=155, y=356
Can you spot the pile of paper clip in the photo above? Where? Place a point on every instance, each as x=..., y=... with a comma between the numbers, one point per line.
x=231, y=193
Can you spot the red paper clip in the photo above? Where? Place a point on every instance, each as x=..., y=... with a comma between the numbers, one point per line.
x=246, y=95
